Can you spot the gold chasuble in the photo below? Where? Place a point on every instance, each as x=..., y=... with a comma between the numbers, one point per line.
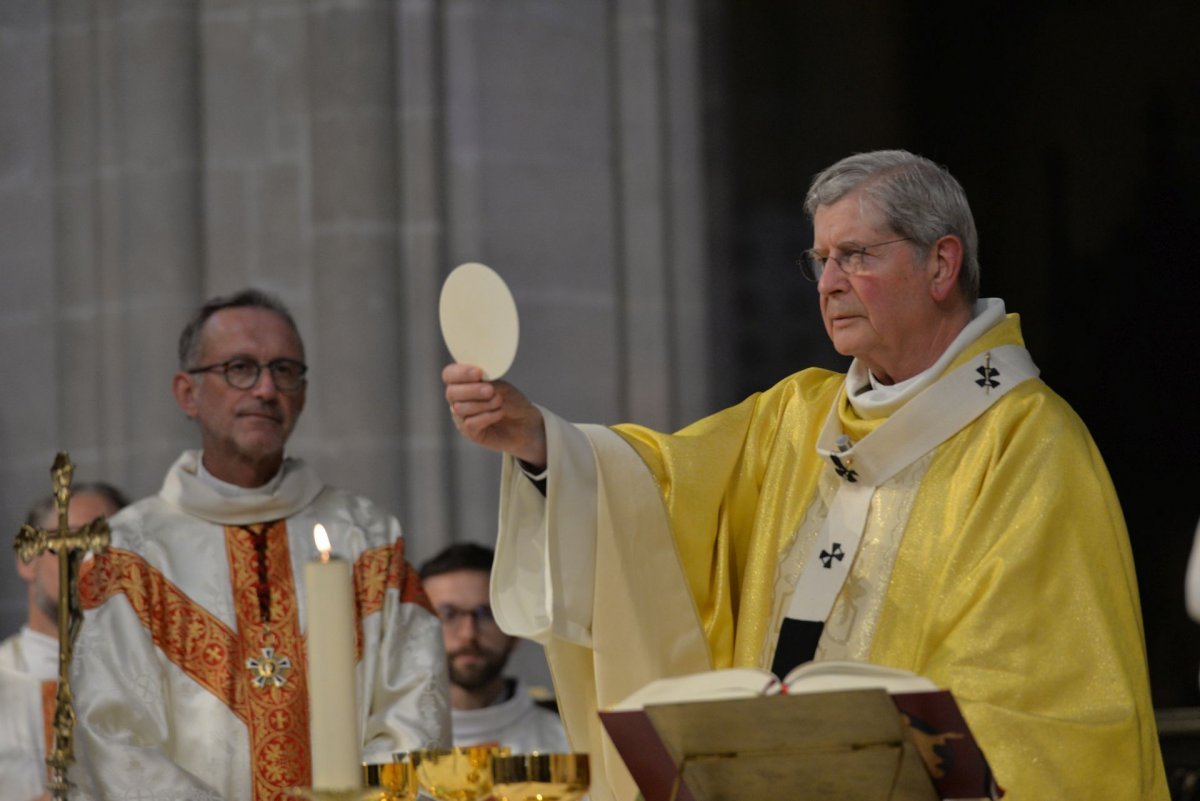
x=997, y=565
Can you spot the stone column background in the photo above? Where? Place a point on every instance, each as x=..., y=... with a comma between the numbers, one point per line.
x=344, y=155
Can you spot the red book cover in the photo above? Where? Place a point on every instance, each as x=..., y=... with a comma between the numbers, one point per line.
x=644, y=754
x=943, y=739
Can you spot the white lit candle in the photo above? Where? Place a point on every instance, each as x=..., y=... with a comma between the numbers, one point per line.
x=332, y=701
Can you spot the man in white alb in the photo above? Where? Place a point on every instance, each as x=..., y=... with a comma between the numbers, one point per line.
x=937, y=509
x=486, y=707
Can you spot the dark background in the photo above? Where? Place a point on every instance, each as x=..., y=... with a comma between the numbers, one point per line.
x=1075, y=129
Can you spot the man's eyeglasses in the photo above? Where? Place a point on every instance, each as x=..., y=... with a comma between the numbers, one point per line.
x=451, y=616
x=240, y=373
x=812, y=264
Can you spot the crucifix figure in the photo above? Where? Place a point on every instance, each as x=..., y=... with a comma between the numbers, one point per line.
x=70, y=546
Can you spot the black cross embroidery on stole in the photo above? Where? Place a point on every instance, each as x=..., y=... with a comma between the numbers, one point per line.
x=827, y=557
x=988, y=374
x=842, y=470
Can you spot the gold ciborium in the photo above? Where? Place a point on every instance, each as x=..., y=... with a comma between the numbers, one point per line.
x=455, y=774
x=540, y=777
x=392, y=781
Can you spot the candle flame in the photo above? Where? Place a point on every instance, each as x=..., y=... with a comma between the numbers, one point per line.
x=322, y=541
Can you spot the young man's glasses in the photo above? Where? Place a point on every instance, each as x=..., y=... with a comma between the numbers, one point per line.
x=452, y=616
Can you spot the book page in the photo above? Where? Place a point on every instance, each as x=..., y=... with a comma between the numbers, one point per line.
x=715, y=685
x=835, y=675
x=711, y=685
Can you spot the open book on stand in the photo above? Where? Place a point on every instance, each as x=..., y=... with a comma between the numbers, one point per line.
x=829, y=730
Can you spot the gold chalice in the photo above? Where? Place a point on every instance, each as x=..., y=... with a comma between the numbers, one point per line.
x=540, y=777
x=455, y=774
x=394, y=780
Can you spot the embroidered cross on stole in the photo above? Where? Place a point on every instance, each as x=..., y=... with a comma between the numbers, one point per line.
x=217, y=657
x=271, y=652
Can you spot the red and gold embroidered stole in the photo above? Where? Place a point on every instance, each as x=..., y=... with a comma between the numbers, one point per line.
x=215, y=656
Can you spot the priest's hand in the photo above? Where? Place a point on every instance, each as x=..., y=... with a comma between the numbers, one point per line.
x=495, y=414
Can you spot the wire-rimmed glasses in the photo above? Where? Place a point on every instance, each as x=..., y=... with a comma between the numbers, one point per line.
x=850, y=260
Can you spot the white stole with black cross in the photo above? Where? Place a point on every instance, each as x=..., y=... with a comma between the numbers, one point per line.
x=923, y=423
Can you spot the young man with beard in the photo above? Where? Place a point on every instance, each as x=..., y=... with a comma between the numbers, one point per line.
x=486, y=708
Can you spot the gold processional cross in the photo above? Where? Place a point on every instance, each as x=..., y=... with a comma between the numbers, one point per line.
x=70, y=547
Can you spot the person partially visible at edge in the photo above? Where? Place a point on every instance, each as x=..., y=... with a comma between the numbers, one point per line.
x=29, y=658
x=486, y=707
x=190, y=672
x=1191, y=583
x=937, y=508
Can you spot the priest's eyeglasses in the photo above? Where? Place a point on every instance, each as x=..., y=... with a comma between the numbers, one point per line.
x=452, y=616
x=812, y=264
x=242, y=373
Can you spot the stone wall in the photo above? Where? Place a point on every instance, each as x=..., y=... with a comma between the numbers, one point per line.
x=344, y=155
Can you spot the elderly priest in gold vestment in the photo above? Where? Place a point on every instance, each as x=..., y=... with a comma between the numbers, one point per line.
x=937, y=508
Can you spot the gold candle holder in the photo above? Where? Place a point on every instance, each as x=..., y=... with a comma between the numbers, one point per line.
x=540, y=777
x=387, y=781
x=391, y=781
x=352, y=794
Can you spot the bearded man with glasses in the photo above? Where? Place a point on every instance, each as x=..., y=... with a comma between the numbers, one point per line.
x=486, y=707
x=191, y=671
x=937, y=508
